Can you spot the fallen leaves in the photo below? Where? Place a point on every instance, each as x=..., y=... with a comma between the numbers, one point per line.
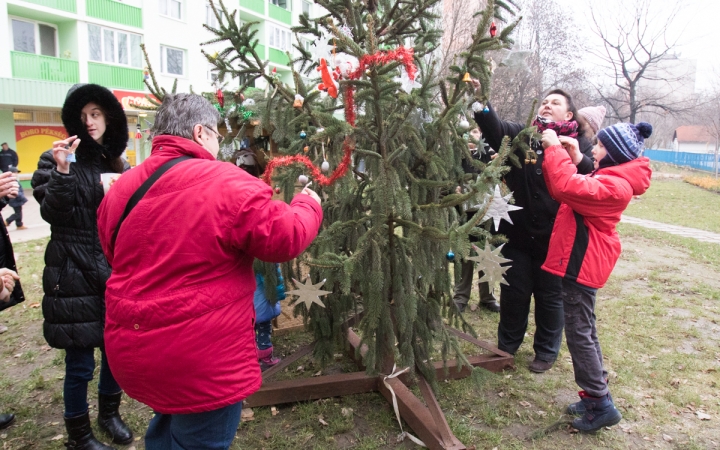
x=57, y=438
x=274, y=411
x=322, y=421
x=667, y=438
x=247, y=415
x=702, y=416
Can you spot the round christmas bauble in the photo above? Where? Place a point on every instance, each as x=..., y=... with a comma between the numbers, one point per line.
x=325, y=166
x=464, y=124
x=303, y=134
x=303, y=179
x=486, y=110
x=306, y=149
x=450, y=256
x=277, y=189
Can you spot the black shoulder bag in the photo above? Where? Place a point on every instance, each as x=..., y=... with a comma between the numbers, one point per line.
x=142, y=190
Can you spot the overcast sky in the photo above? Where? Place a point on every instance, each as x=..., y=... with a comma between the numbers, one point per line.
x=699, y=21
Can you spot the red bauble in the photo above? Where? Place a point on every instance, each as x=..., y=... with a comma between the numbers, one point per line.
x=220, y=98
x=277, y=189
x=493, y=29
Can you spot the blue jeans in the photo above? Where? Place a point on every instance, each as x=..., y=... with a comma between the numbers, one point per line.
x=526, y=279
x=263, y=335
x=207, y=430
x=79, y=368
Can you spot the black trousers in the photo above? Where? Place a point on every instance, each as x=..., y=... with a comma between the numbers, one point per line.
x=16, y=217
x=526, y=279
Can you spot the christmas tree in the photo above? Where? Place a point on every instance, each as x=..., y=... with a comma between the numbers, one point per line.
x=388, y=168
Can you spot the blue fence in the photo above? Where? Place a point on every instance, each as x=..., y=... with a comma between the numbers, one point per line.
x=700, y=161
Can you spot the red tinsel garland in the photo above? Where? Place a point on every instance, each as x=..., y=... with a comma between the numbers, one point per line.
x=402, y=54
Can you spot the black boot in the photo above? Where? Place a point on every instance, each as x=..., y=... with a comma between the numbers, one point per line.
x=110, y=421
x=6, y=420
x=80, y=435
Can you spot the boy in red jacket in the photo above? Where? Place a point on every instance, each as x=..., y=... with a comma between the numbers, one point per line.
x=585, y=246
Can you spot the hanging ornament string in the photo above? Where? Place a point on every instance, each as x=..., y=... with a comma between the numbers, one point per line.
x=401, y=54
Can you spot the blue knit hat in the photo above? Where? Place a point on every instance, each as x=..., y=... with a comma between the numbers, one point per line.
x=623, y=142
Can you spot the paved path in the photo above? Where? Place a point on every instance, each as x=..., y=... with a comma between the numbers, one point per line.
x=700, y=235
x=36, y=227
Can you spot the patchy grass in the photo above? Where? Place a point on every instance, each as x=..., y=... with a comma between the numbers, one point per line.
x=678, y=203
x=709, y=183
x=659, y=325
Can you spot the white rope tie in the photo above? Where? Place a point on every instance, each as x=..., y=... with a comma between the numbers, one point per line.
x=403, y=434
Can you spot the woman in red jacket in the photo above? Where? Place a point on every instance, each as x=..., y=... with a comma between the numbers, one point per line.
x=585, y=246
x=180, y=322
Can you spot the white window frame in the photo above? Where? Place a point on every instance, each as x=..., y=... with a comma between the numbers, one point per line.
x=116, y=49
x=210, y=19
x=167, y=4
x=288, y=4
x=307, y=5
x=36, y=27
x=163, y=61
x=279, y=38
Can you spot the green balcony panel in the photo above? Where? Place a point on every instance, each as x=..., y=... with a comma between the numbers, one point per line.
x=38, y=67
x=257, y=6
x=280, y=14
x=47, y=94
x=279, y=57
x=260, y=50
x=63, y=5
x=115, y=77
x=115, y=12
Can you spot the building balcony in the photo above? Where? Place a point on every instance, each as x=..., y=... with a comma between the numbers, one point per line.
x=63, y=5
x=115, y=76
x=115, y=11
x=257, y=6
x=279, y=57
x=280, y=14
x=46, y=68
x=31, y=93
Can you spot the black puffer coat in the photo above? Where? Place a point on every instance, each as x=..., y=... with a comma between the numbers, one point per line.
x=7, y=260
x=75, y=268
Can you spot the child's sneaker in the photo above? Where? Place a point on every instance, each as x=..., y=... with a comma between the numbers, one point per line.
x=599, y=412
x=266, y=359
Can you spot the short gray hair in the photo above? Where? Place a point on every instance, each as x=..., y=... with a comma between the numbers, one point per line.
x=179, y=113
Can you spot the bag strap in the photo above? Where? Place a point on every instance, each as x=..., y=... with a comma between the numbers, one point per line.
x=142, y=190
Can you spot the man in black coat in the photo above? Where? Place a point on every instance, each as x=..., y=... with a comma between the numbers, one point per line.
x=529, y=234
x=8, y=157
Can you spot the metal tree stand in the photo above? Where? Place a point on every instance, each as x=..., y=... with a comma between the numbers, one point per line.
x=426, y=419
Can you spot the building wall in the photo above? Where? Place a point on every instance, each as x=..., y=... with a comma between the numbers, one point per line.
x=41, y=84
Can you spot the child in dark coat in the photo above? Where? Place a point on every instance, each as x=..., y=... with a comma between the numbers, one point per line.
x=16, y=204
x=585, y=246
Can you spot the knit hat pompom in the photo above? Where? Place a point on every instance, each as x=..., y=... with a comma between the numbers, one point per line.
x=645, y=129
x=623, y=142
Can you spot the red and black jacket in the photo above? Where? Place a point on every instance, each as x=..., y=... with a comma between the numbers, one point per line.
x=585, y=245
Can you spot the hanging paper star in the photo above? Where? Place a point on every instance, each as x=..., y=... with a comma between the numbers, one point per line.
x=488, y=255
x=493, y=273
x=406, y=84
x=499, y=208
x=346, y=30
x=308, y=293
x=323, y=45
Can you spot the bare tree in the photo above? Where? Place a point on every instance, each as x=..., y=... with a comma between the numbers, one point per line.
x=458, y=24
x=552, y=60
x=638, y=52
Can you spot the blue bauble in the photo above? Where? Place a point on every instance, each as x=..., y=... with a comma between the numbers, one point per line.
x=303, y=135
x=450, y=256
x=486, y=110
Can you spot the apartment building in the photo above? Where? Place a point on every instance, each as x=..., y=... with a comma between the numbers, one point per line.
x=49, y=45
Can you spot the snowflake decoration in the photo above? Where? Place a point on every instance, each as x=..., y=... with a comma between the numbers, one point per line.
x=308, y=293
x=346, y=30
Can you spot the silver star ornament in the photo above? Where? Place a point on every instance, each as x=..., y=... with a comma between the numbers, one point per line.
x=308, y=293
x=499, y=208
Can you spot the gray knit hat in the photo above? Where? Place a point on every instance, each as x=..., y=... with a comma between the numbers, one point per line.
x=624, y=141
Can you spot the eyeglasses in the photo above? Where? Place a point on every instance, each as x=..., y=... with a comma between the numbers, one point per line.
x=220, y=137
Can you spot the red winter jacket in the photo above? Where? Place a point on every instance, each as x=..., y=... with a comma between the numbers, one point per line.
x=179, y=330
x=585, y=245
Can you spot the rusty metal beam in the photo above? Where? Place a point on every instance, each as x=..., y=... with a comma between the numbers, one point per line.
x=304, y=389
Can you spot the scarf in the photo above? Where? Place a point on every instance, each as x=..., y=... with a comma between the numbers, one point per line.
x=562, y=128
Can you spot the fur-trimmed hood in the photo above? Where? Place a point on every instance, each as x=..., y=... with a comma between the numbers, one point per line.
x=116, y=133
